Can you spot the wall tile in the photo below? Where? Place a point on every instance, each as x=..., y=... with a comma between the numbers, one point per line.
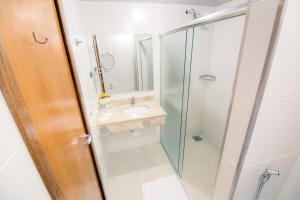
x=284, y=76
x=276, y=132
x=275, y=141
x=256, y=42
x=249, y=178
x=9, y=133
x=19, y=179
x=290, y=189
x=225, y=178
x=275, y=184
x=247, y=183
x=237, y=128
x=259, y=29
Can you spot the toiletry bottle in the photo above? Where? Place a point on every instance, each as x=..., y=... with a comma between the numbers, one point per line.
x=105, y=100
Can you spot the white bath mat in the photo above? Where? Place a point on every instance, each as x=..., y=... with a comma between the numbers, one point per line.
x=167, y=188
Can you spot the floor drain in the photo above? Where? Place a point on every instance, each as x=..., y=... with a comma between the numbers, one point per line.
x=197, y=138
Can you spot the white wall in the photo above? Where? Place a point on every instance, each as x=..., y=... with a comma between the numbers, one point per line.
x=231, y=4
x=126, y=17
x=19, y=178
x=275, y=141
x=290, y=189
x=86, y=17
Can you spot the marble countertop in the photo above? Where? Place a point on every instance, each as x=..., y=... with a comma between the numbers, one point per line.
x=115, y=114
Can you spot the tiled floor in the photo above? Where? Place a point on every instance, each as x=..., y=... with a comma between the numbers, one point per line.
x=199, y=168
x=139, y=173
x=144, y=172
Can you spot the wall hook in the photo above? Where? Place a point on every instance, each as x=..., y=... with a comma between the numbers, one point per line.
x=40, y=42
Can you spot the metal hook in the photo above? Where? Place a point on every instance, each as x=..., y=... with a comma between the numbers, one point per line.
x=77, y=42
x=36, y=40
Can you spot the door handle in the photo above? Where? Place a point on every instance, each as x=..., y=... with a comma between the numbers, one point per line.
x=87, y=139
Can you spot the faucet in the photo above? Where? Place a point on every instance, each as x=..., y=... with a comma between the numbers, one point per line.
x=133, y=100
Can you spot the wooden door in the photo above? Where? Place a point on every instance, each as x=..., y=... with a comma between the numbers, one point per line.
x=37, y=83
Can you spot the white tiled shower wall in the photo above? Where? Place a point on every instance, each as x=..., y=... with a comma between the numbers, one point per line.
x=275, y=141
x=257, y=34
x=19, y=178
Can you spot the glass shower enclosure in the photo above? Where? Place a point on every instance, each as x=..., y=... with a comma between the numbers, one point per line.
x=198, y=68
x=175, y=59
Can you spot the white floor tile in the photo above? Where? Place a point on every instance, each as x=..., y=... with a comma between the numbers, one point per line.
x=129, y=170
x=199, y=168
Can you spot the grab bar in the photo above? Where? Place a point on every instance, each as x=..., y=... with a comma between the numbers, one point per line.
x=207, y=77
x=262, y=180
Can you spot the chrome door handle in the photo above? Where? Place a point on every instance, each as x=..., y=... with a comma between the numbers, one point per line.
x=87, y=139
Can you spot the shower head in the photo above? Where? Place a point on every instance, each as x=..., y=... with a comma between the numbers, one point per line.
x=193, y=12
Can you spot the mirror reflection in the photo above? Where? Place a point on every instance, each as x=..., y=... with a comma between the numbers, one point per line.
x=107, y=61
x=123, y=62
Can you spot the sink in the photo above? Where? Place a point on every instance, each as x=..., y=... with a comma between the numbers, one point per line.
x=105, y=116
x=136, y=110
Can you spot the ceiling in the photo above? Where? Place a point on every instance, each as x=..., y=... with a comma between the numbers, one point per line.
x=194, y=2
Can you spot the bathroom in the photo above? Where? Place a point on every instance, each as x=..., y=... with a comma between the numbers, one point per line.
x=150, y=100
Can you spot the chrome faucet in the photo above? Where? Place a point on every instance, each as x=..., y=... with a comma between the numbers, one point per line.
x=133, y=100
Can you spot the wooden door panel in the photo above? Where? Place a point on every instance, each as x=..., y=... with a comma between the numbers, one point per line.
x=44, y=81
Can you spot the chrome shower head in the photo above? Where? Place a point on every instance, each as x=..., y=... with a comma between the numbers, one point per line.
x=193, y=12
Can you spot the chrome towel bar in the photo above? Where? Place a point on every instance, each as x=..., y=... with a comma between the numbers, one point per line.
x=207, y=77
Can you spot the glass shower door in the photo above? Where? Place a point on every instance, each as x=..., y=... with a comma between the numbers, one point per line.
x=215, y=60
x=175, y=71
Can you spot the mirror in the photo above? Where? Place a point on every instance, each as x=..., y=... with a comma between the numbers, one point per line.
x=107, y=61
x=123, y=62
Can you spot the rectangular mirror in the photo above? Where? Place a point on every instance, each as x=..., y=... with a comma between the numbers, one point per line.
x=122, y=63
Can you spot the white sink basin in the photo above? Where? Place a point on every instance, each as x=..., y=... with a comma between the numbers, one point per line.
x=105, y=116
x=136, y=110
